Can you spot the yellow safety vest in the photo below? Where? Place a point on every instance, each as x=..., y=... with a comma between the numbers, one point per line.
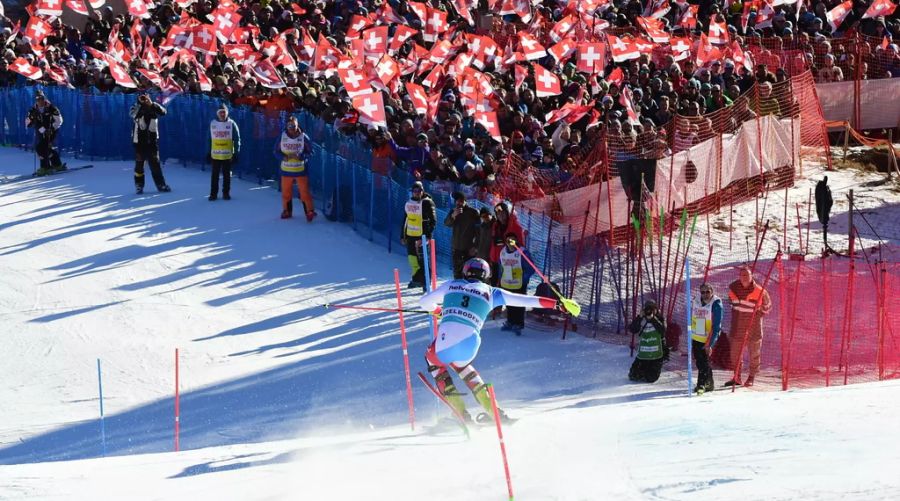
x=222, y=141
x=511, y=270
x=292, y=148
x=414, y=218
x=702, y=320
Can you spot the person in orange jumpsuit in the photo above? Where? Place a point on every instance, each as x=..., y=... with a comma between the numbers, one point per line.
x=294, y=150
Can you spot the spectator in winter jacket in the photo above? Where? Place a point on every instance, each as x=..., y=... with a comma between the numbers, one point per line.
x=294, y=149
x=749, y=303
x=420, y=220
x=415, y=156
x=652, y=350
x=485, y=230
x=515, y=272
x=224, y=146
x=505, y=222
x=46, y=120
x=706, y=319
x=464, y=220
x=145, y=136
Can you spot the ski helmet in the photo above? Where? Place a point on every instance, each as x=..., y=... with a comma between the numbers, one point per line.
x=417, y=186
x=477, y=268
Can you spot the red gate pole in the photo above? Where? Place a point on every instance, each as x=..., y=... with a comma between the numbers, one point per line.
x=509, y=488
x=409, y=396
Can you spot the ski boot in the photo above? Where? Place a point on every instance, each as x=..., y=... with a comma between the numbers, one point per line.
x=212, y=198
x=60, y=168
x=310, y=216
x=226, y=196
x=415, y=284
x=749, y=382
x=164, y=188
x=286, y=214
x=138, y=190
x=485, y=418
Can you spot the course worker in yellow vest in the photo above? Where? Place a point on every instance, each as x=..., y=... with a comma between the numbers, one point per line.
x=515, y=272
x=420, y=220
x=294, y=149
x=224, y=146
x=706, y=325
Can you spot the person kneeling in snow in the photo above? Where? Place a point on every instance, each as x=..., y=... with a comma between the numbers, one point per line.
x=652, y=350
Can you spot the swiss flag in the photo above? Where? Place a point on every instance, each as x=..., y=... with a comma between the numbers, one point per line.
x=616, y=76
x=435, y=25
x=837, y=15
x=468, y=85
x=170, y=89
x=643, y=46
x=387, y=69
x=205, y=39
x=59, y=75
x=77, y=6
x=739, y=57
x=591, y=58
x=545, y=82
x=706, y=53
x=376, y=41
x=562, y=28
x=418, y=96
x=654, y=29
x=622, y=49
x=121, y=76
x=37, y=30
x=401, y=35
x=239, y=53
x=202, y=77
x=267, y=75
x=24, y=68
x=137, y=8
x=460, y=64
x=51, y=8
x=226, y=21
x=463, y=8
x=153, y=76
x=434, y=78
x=764, y=15
x=681, y=48
x=357, y=24
x=488, y=120
x=387, y=15
x=420, y=10
x=718, y=32
x=327, y=57
x=371, y=109
x=178, y=37
x=625, y=99
x=659, y=8
x=689, y=18
x=531, y=47
x=880, y=8
x=521, y=73
x=440, y=52
x=278, y=53
x=355, y=82
x=563, y=50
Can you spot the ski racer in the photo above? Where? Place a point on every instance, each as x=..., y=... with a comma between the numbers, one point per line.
x=466, y=305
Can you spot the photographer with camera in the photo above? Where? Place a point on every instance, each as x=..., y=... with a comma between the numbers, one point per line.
x=46, y=120
x=652, y=350
x=145, y=137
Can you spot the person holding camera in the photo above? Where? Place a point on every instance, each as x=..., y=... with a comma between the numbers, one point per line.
x=145, y=136
x=464, y=220
x=652, y=350
x=225, y=144
x=46, y=120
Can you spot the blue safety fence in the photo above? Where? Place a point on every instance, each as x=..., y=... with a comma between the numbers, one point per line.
x=98, y=126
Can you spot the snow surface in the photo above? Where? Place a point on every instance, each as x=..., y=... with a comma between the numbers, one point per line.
x=284, y=399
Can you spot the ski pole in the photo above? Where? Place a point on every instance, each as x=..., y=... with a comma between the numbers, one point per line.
x=369, y=308
x=568, y=303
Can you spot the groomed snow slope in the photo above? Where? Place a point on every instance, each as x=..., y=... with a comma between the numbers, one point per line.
x=283, y=399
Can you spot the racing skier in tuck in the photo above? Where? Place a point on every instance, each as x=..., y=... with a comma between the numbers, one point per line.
x=467, y=302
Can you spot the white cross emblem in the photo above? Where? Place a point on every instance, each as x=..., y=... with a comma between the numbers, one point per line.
x=565, y=49
x=420, y=96
x=680, y=46
x=359, y=25
x=354, y=78
x=436, y=22
x=475, y=45
x=715, y=28
x=590, y=56
x=117, y=72
x=465, y=88
x=51, y=3
x=547, y=79
x=643, y=46
x=487, y=123
x=237, y=53
x=39, y=30
x=24, y=68
x=205, y=36
x=373, y=41
x=528, y=44
x=368, y=107
x=564, y=27
x=620, y=45
x=383, y=69
x=484, y=105
x=136, y=5
x=225, y=21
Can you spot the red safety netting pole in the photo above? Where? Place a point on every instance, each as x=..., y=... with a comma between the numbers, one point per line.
x=409, y=395
x=793, y=314
x=587, y=213
x=782, y=319
x=848, y=313
x=882, y=321
x=490, y=389
x=177, y=405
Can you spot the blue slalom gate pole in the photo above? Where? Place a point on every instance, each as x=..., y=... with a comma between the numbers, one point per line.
x=102, y=423
x=690, y=325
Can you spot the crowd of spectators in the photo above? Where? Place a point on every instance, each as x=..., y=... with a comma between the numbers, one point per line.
x=452, y=146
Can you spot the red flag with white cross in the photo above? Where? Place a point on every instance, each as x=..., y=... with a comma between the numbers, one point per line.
x=355, y=82
x=435, y=25
x=51, y=8
x=718, y=32
x=563, y=50
x=689, y=18
x=418, y=96
x=546, y=84
x=488, y=120
x=138, y=8
x=121, y=76
x=562, y=28
x=267, y=75
x=225, y=22
x=836, y=16
x=37, y=30
x=622, y=49
x=205, y=39
x=681, y=48
x=880, y=8
x=24, y=68
x=371, y=109
x=401, y=35
x=591, y=58
x=376, y=41
x=531, y=48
